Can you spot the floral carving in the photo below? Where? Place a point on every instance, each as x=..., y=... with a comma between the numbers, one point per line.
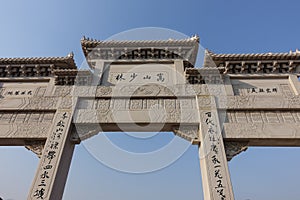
x=42, y=103
x=66, y=103
x=62, y=91
x=103, y=105
x=32, y=129
x=293, y=101
x=103, y=91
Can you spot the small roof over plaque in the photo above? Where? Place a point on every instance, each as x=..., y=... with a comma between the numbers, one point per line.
x=141, y=50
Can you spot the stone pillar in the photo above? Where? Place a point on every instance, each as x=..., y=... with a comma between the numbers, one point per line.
x=179, y=72
x=99, y=70
x=295, y=84
x=214, y=168
x=52, y=172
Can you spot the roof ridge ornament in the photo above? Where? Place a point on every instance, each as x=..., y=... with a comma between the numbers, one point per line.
x=196, y=38
x=297, y=51
x=71, y=54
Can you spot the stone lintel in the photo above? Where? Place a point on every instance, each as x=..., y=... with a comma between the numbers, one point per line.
x=263, y=134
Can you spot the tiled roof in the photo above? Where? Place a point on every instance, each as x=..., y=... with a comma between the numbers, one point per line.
x=61, y=62
x=92, y=43
x=255, y=56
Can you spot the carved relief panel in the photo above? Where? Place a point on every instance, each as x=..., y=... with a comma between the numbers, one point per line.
x=263, y=116
x=137, y=110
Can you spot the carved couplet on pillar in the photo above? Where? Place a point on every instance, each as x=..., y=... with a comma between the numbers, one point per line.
x=214, y=168
x=54, y=164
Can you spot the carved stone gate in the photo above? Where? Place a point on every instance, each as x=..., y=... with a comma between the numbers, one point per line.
x=234, y=101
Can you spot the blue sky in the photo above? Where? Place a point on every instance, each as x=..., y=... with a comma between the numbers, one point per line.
x=54, y=28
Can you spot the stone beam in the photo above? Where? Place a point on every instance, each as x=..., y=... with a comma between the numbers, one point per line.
x=152, y=90
x=30, y=131
x=263, y=134
x=261, y=102
x=26, y=103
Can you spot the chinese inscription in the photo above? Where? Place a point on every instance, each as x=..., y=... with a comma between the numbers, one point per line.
x=50, y=155
x=214, y=143
x=17, y=92
x=257, y=91
x=262, y=90
x=138, y=77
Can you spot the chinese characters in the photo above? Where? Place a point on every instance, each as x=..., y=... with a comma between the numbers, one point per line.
x=215, y=160
x=18, y=92
x=50, y=154
x=138, y=77
x=262, y=90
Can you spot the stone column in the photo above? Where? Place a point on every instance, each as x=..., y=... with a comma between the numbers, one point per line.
x=52, y=172
x=214, y=168
x=99, y=70
x=295, y=84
